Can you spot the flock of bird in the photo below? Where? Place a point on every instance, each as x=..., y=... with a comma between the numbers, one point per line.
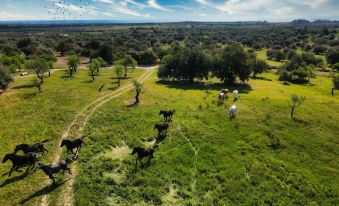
x=62, y=9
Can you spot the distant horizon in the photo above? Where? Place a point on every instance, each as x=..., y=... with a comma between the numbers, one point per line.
x=153, y=22
x=159, y=11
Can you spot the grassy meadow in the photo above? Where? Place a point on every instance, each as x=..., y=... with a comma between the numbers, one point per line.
x=261, y=157
x=28, y=117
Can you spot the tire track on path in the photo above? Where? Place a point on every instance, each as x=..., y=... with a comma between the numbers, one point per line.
x=78, y=124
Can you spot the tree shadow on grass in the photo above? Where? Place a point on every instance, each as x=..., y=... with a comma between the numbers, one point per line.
x=23, y=86
x=122, y=78
x=301, y=121
x=13, y=179
x=43, y=191
x=242, y=88
x=114, y=87
x=262, y=78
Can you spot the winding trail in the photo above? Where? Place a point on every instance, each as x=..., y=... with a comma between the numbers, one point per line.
x=65, y=197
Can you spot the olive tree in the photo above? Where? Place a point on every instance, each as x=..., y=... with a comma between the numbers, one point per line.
x=94, y=67
x=119, y=72
x=137, y=86
x=39, y=66
x=73, y=63
x=296, y=101
x=5, y=77
x=127, y=61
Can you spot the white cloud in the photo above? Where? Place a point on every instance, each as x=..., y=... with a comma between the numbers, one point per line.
x=237, y=6
x=153, y=4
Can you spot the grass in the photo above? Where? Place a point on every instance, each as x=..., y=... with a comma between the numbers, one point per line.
x=27, y=117
x=261, y=157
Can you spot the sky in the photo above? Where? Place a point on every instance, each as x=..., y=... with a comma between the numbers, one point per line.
x=169, y=10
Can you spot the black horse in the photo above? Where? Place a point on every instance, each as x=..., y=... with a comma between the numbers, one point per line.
x=36, y=148
x=161, y=127
x=142, y=152
x=167, y=114
x=70, y=145
x=18, y=161
x=49, y=170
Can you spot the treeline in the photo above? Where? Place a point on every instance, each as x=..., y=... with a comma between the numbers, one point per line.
x=229, y=65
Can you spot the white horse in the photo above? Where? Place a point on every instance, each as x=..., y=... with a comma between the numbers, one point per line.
x=232, y=111
x=235, y=94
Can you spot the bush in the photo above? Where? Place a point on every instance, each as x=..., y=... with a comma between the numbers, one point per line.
x=5, y=77
x=336, y=81
x=335, y=67
x=332, y=55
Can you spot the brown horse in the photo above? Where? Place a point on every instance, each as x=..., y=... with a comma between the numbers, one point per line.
x=142, y=152
x=49, y=170
x=20, y=161
x=72, y=144
x=35, y=148
x=161, y=127
x=167, y=114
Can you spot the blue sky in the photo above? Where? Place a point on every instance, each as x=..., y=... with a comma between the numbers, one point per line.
x=169, y=11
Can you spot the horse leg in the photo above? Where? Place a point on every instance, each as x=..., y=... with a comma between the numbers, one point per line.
x=136, y=162
x=28, y=168
x=52, y=178
x=10, y=172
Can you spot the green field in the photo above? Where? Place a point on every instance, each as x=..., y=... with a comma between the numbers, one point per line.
x=261, y=157
x=27, y=117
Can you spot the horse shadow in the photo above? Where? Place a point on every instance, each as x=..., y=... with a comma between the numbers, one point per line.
x=43, y=191
x=13, y=179
x=160, y=138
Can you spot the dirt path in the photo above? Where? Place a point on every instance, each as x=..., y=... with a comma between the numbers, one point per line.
x=79, y=122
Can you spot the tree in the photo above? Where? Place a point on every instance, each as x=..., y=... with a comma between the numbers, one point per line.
x=127, y=61
x=296, y=101
x=37, y=84
x=258, y=66
x=63, y=46
x=119, y=69
x=50, y=58
x=230, y=64
x=94, y=67
x=137, y=86
x=39, y=66
x=332, y=55
x=73, y=63
x=335, y=83
x=185, y=64
x=5, y=77
x=106, y=52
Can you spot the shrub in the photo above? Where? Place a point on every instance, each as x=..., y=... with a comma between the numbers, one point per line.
x=5, y=77
x=336, y=81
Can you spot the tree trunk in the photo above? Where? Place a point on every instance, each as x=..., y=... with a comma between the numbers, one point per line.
x=191, y=80
x=292, y=112
x=93, y=77
x=332, y=92
x=70, y=72
x=49, y=73
x=125, y=72
x=137, y=98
